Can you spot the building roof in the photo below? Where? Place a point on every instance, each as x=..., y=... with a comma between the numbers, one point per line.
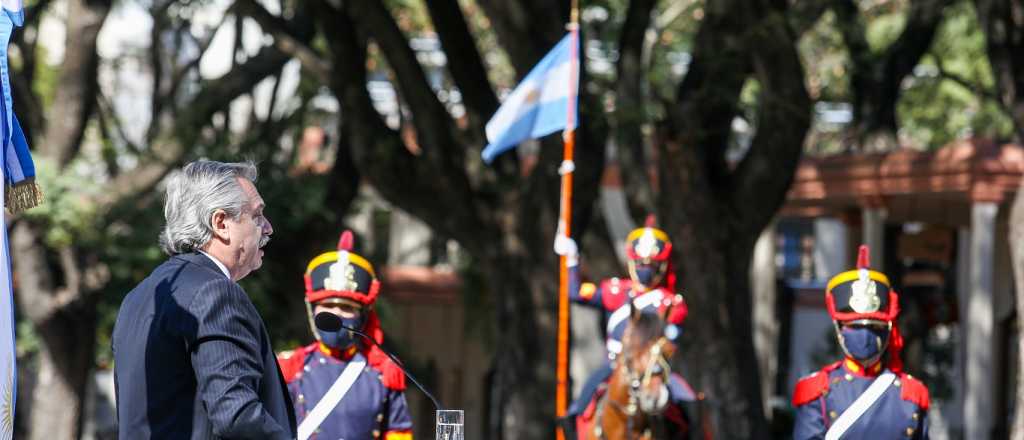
x=419, y=284
x=938, y=186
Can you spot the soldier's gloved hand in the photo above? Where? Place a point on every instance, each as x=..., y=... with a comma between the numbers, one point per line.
x=567, y=246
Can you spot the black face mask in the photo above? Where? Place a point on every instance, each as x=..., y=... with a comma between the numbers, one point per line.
x=645, y=274
x=342, y=339
x=864, y=343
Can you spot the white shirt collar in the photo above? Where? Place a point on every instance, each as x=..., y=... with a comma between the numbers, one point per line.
x=222, y=267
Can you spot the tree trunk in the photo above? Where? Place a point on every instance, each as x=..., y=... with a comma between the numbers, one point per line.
x=721, y=360
x=765, y=317
x=524, y=382
x=65, y=320
x=1003, y=21
x=65, y=364
x=716, y=210
x=75, y=99
x=1017, y=253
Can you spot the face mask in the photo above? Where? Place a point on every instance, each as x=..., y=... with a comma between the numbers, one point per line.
x=343, y=338
x=864, y=343
x=645, y=274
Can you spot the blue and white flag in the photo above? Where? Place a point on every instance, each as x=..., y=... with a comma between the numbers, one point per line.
x=19, y=172
x=8, y=357
x=543, y=103
x=16, y=174
x=15, y=10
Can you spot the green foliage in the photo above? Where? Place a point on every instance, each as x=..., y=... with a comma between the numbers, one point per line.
x=44, y=82
x=478, y=315
x=499, y=68
x=949, y=96
x=825, y=60
x=934, y=109
x=27, y=339
x=883, y=28
x=672, y=47
x=68, y=212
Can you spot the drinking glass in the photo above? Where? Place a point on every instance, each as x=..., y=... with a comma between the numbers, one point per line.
x=449, y=425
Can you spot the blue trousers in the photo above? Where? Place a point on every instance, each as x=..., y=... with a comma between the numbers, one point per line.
x=589, y=389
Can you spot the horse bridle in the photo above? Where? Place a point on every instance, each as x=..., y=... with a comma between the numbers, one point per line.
x=657, y=366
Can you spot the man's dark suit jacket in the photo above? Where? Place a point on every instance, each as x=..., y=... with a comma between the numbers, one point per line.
x=193, y=359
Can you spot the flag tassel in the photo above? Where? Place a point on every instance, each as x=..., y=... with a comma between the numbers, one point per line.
x=23, y=195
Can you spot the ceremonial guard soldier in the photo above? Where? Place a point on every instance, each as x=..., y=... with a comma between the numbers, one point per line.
x=651, y=288
x=867, y=394
x=342, y=386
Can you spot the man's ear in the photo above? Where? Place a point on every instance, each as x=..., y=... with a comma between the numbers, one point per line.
x=220, y=224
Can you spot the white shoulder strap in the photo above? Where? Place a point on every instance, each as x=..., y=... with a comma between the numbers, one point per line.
x=860, y=406
x=333, y=396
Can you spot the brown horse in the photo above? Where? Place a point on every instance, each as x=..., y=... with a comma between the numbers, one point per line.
x=637, y=392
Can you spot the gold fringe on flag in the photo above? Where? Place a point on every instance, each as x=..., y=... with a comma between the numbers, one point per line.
x=23, y=195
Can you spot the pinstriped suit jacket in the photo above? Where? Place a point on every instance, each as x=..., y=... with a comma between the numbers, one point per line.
x=193, y=359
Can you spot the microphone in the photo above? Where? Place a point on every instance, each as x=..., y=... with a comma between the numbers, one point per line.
x=330, y=322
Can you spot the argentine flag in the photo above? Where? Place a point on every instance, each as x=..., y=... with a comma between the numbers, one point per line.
x=8, y=359
x=15, y=10
x=12, y=15
x=539, y=105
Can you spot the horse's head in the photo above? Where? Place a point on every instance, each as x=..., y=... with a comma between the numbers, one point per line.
x=645, y=357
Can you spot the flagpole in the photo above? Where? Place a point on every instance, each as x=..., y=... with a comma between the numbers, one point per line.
x=565, y=223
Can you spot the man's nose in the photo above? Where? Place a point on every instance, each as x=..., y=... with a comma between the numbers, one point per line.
x=268, y=229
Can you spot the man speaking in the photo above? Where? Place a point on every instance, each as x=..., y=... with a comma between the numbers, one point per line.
x=192, y=356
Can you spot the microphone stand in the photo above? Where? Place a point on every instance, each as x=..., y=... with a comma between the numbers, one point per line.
x=329, y=322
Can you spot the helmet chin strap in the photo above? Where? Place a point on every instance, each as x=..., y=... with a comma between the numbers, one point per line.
x=309, y=315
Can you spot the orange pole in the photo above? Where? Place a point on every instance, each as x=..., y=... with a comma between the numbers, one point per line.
x=565, y=225
x=562, y=399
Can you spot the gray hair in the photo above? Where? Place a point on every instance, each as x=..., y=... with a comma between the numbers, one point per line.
x=194, y=194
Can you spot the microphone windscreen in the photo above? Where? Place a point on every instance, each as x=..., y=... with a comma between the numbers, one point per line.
x=327, y=322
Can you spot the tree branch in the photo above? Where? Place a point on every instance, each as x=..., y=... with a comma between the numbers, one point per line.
x=525, y=32
x=784, y=116
x=380, y=152
x=178, y=76
x=804, y=14
x=1003, y=22
x=26, y=101
x=71, y=290
x=876, y=78
x=630, y=70
x=213, y=96
x=661, y=22
x=630, y=93
x=77, y=79
x=35, y=279
x=286, y=39
x=465, y=65
x=429, y=115
x=434, y=127
x=708, y=97
x=971, y=86
x=106, y=110
x=156, y=65
x=923, y=20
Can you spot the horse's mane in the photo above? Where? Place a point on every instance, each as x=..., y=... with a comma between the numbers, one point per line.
x=642, y=331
